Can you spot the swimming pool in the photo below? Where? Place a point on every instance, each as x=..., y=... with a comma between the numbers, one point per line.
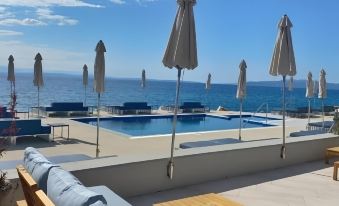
x=157, y=125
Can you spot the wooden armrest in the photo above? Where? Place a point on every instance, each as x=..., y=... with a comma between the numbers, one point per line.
x=25, y=176
x=42, y=199
x=21, y=203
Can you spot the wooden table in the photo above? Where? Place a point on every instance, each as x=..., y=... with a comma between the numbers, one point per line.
x=211, y=199
x=62, y=125
x=331, y=152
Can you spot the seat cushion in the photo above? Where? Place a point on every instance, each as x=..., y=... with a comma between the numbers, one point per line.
x=66, y=190
x=111, y=198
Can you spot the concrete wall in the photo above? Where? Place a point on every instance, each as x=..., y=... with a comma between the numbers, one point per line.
x=195, y=166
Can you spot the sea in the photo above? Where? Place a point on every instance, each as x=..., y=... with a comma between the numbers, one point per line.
x=69, y=88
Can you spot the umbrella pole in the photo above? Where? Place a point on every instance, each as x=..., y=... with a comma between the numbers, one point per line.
x=85, y=94
x=38, y=102
x=309, y=112
x=240, y=125
x=170, y=165
x=98, y=121
x=323, y=112
x=283, y=148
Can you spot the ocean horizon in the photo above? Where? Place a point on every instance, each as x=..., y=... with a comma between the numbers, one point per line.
x=64, y=87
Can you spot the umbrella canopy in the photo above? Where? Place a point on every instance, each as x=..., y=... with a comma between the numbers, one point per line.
x=315, y=87
x=99, y=81
x=38, y=80
x=208, y=82
x=309, y=86
x=283, y=63
x=143, y=78
x=322, y=85
x=85, y=75
x=181, y=49
x=290, y=84
x=10, y=75
x=99, y=68
x=241, y=90
x=181, y=52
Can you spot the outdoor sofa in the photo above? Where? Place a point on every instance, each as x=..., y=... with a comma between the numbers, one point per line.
x=60, y=109
x=130, y=108
x=193, y=107
x=24, y=127
x=45, y=182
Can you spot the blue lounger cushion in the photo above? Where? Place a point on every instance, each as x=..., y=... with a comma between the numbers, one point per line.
x=66, y=190
x=111, y=198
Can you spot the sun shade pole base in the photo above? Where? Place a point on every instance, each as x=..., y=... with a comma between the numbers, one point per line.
x=283, y=148
x=240, y=123
x=170, y=166
x=97, y=151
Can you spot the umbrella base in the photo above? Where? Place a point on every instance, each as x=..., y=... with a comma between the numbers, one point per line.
x=283, y=152
x=170, y=167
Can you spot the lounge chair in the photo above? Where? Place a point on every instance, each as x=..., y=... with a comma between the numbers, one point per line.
x=60, y=109
x=44, y=180
x=207, y=143
x=130, y=108
x=24, y=127
x=306, y=133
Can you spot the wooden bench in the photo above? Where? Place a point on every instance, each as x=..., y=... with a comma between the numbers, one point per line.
x=201, y=200
x=331, y=152
x=33, y=195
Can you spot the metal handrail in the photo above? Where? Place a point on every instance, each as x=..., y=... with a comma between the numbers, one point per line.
x=258, y=110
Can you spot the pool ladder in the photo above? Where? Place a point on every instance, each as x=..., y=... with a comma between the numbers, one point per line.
x=258, y=110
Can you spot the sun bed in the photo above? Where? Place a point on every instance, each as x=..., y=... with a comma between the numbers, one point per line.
x=59, y=186
x=130, y=108
x=306, y=133
x=4, y=113
x=193, y=107
x=60, y=109
x=207, y=143
x=25, y=127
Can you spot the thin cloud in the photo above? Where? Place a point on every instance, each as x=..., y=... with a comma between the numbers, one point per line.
x=47, y=3
x=118, y=1
x=47, y=14
x=53, y=58
x=10, y=33
x=22, y=22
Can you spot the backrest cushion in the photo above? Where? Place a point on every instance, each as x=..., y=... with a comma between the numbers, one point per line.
x=38, y=166
x=66, y=190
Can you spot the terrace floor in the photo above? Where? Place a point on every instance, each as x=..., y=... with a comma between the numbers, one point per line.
x=307, y=184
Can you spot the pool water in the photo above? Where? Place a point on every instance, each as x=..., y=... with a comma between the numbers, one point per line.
x=156, y=125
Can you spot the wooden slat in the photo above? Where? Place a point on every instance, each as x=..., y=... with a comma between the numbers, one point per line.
x=29, y=186
x=201, y=200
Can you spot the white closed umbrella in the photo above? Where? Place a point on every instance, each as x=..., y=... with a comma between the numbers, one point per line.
x=143, y=78
x=85, y=80
x=283, y=63
x=322, y=90
x=10, y=74
x=38, y=80
x=309, y=92
x=208, y=82
x=181, y=53
x=99, y=81
x=241, y=90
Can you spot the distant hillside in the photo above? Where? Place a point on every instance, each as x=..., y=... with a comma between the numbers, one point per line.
x=296, y=84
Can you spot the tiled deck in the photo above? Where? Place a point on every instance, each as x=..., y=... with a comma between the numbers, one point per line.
x=306, y=184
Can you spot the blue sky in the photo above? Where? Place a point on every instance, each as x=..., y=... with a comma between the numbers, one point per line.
x=136, y=32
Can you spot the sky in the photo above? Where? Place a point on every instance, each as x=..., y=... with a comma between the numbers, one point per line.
x=136, y=32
